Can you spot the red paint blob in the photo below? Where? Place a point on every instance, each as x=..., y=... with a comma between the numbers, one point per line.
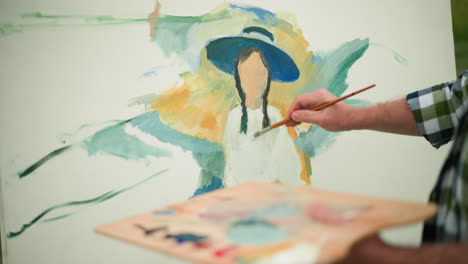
x=201, y=245
x=222, y=252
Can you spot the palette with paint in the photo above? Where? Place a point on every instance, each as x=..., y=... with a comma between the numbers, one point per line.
x=265, y=223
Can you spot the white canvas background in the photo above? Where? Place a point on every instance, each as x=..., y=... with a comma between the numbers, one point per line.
x=54, y=80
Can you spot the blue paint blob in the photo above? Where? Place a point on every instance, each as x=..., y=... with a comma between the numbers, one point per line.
x=165, y=212
x=253, y=232
x=186, y=237
x=216, y=183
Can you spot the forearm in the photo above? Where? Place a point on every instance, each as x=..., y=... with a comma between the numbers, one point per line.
x=392, y=117
x=433, y=254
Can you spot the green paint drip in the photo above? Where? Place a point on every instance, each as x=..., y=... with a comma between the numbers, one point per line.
x=400, y=59
x=39, y=163
x=93, y=201
x=255, y=233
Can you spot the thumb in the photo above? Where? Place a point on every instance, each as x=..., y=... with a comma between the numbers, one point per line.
x=306, y=116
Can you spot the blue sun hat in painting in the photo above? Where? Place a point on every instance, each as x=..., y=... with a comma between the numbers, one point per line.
x=222, y=52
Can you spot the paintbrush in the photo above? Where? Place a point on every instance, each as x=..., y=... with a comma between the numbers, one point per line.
x=316, y=108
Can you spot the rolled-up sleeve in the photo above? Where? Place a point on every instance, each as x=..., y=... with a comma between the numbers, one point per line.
x=438, y=109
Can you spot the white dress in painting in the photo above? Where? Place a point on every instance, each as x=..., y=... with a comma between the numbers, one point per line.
x=267, y=158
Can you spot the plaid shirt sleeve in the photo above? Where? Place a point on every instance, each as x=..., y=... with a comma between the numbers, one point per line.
x=438, y=109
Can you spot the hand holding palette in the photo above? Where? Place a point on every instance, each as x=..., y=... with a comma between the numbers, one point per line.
x=265, y=223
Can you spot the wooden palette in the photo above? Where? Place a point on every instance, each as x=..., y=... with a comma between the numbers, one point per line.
x=289, y=209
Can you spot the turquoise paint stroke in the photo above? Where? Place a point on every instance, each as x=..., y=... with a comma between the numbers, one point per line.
x=333, y=66
x=115, y=141
x=254, y=232
x=111, y=140
x=399, y=58
x=84, y=131
x=209, y=155
x=93, y=201
x=38, y=20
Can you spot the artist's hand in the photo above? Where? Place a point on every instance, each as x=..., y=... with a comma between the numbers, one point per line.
x=373, y=251
x=368, y=250
x=337, y=117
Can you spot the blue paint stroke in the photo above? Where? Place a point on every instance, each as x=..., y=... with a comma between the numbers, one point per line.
x=214, y=184
x=186, y=237
x=261, y=13
x=165, y=212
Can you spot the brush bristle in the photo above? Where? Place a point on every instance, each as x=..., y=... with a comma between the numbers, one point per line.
x=261, y=132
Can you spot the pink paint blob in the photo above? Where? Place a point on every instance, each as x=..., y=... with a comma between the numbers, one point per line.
x=325, y=214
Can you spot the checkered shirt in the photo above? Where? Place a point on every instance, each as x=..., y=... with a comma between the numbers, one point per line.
x=441, y=113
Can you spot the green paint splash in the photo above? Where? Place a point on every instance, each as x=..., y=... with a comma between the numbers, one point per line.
x=90, y=202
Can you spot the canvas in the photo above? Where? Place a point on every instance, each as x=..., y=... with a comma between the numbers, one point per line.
x=110, y=111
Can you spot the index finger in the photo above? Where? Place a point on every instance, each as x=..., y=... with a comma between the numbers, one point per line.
x=301, y=102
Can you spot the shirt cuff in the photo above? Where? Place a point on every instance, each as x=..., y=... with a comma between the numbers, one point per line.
x=434, y=121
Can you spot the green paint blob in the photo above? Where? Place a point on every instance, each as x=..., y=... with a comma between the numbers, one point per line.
x=255, y=233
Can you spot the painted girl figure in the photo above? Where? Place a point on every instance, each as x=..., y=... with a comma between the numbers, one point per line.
x=255, y=62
